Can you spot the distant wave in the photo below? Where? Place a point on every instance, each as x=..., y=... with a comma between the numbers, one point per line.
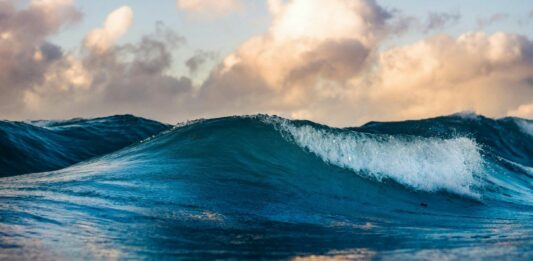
x=36, y=146
x=506, y=137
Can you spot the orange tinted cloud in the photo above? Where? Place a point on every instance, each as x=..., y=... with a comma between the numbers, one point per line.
x=116, y=24
x=210, y=7
x=321, y=60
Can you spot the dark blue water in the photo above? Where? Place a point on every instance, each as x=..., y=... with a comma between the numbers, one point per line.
x=28, y=147
x=453, y=187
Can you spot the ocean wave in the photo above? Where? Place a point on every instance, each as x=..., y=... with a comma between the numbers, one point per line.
x=36, y=146
x=525, y=125
x=254, y=187
x=428, y=164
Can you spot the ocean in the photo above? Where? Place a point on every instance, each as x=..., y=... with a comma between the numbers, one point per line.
x=263, y=187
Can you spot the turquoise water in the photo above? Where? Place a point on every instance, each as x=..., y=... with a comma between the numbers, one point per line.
x=453, y=187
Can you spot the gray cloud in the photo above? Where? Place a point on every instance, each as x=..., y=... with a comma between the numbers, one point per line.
x=50, y=51
x=403, y=23
x=200, y=58
x=25, y=54
x=294, y=73
x=483, y=22
x=335, y=72
x=526, y=19
x=344, y=81
x=336, y=60
x=437, y=21
x=129, y=78
x=40, y=80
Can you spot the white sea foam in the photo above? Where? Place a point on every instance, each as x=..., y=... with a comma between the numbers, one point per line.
x=427, y=164
x=526, y=126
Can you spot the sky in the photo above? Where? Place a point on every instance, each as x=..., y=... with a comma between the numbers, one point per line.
x=338, y=62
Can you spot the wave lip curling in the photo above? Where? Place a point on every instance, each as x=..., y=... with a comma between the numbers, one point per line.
x=426, y=164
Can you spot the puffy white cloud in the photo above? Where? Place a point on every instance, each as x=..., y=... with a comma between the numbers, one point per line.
x=523, y=111
x=49, y=15
x=321, y=60
x=485, y=73
x=25, y=55
x=311, y=49
x=39, y=80
x=129, y=78
x=116, y=24
x=210, y=7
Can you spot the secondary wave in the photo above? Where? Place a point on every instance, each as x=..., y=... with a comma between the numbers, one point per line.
x=27, y=147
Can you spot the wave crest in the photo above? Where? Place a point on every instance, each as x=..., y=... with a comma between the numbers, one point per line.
x=426, y=164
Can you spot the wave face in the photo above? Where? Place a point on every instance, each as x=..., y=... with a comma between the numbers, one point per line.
x=28, y=147
x=452, y=187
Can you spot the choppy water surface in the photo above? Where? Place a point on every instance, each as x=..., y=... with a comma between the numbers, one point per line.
x=453, y=187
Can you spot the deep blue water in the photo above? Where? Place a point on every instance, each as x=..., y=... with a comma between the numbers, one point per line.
x=28, y=147
x=454, y=187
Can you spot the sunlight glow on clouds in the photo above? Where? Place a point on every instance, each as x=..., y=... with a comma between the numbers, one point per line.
x=116, y=24
x=320, y=59
x=300, y=68
x=25, y=53
x=129, y=78
x=523, y=111
x=210, y=7
x=442, y=74
x=302, y=60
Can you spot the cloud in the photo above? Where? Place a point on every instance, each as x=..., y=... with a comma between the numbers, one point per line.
x=322, y=60
x=25, y=54
x=437, y=21
x=483, y=22
x=523, y=111
x=195, y=62
x=332, y=70
x=116, y=24
x=38, y=79
x=128, y=78
x=302, y=58
x=439, y=75
x=210, y=7
x=401, y=23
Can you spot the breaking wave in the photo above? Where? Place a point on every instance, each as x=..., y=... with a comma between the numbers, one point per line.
x=258, y=186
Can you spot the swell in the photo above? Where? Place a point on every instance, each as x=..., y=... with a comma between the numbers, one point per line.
x=241, y=168
x=27, y=147
x=260, y=184
x=426, y=161
x=467, y=155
